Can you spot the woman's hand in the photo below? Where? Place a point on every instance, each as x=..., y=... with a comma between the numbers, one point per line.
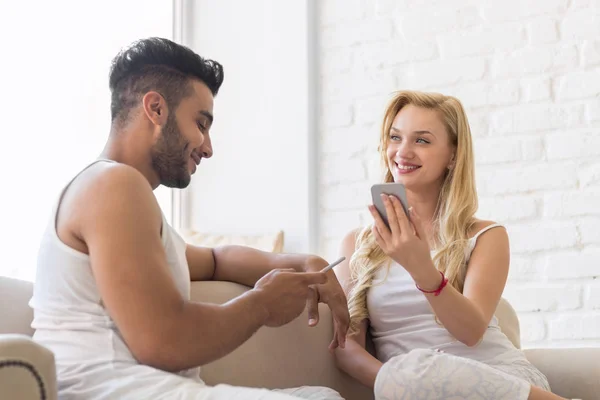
x=405, y=241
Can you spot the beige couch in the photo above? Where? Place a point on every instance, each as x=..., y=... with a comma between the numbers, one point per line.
x=293, y=355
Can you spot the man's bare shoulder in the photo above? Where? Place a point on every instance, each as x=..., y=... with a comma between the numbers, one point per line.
x=105, y=193
x=105, y=178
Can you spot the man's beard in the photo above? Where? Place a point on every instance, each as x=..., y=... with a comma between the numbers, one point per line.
x=168, y=157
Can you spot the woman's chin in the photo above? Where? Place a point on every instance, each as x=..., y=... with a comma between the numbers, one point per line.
x=404, y=179
x=410, y=184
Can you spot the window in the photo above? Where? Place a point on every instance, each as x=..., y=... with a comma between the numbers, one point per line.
x=56, y=105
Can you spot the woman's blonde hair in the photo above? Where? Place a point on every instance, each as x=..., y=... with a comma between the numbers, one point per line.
x=454, y=215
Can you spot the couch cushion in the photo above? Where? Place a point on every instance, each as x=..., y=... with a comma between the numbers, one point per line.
x=290, y=356
x=271, y=242
x=15, y=313
x=509, y=322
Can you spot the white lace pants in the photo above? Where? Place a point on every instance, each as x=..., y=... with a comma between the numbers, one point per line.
x=425, y=374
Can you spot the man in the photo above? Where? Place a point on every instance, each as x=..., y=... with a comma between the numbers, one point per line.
x=111, y=298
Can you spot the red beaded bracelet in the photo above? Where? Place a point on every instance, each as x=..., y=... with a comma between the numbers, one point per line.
x=437, y=291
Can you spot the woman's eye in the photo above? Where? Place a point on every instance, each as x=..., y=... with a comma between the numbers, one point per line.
x=395, y=137
x=421, y=140
x=201, y=127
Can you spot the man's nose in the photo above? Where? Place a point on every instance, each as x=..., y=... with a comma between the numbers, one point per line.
x=206, y=148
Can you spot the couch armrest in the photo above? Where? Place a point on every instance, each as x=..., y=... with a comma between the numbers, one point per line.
x=27, y=369
x=572, y=373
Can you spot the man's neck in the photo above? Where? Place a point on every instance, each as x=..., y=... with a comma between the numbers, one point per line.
x=124, y=147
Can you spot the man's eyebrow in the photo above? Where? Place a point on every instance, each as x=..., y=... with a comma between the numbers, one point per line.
x=207, y=114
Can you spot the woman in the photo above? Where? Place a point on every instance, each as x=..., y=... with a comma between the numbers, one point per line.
x=431, y=312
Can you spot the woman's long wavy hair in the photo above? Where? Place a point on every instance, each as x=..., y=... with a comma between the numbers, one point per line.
x=454, y=215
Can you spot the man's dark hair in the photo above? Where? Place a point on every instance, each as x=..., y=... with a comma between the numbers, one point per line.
x=161, y=65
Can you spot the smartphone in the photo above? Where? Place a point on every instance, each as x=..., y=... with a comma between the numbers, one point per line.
x=394, y=189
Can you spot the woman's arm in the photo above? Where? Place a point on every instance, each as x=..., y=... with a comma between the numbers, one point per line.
x=467, y=315
x=354, y=359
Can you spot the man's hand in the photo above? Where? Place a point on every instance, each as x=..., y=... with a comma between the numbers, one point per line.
x=284, y=293
x=252, y=267
x=332, y=294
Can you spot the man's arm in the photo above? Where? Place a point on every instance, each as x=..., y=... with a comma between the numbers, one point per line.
x=239, y=264
x=121, y=228
x=245, y=265
x=201, y=262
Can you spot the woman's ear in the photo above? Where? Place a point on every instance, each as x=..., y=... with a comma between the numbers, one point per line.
x=452, y=162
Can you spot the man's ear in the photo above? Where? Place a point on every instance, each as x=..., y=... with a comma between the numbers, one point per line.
x=155, y=108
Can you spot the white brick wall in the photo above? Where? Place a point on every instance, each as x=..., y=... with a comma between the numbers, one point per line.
x=528, y=72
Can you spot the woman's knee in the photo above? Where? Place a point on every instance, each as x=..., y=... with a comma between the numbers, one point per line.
x=417, y=372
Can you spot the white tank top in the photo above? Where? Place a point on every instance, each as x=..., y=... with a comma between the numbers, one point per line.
x=69, y=316
x=401, y=319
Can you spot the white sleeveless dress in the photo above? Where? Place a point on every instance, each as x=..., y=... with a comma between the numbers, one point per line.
x=422, y=360
x=92, y=359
